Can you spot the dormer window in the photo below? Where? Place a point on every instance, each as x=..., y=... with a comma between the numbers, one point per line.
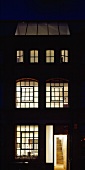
x=49, y=56
x=20, y=56
x=64, y=56
x=33, y=56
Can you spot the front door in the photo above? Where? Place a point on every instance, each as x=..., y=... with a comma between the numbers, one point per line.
x=60, y=152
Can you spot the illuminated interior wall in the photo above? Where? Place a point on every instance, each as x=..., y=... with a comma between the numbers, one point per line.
x=64, y=149
x=63, y=139
x=49, y=144
x=55, y=148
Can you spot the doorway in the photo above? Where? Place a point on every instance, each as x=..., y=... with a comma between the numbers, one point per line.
x=60, y=152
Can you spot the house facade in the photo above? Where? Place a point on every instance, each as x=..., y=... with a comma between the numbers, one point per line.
x=42, y=115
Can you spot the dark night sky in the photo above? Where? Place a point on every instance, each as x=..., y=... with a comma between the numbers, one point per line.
x=42, y=10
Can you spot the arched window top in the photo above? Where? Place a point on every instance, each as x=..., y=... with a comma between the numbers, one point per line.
x=26, y=79
x=26, y=93
x=57, y=93
x=59, y=80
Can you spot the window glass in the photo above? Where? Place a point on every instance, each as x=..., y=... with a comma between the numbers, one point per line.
x=33, y=56
x=64, y=56
x=56, y=94
x=20, y=55
x=26, y=144
x=27, y=94
x=49, y=56
x=49, y=143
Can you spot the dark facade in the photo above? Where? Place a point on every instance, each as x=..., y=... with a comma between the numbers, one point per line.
x=67, y=120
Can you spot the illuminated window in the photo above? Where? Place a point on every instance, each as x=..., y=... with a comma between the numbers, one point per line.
x=49, y=56
x=64, y=56
x=27, y=93
x=34, y=56
x=49, y=143
x=20, y=55
x=26, y=141
x=56, y=93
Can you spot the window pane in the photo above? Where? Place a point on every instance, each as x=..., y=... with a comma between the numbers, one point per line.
x=66, y=59
x=22, y=83
x=21, y=59
x=35, y=134
x=35, y=88
x=35, y=105
x=27, y=94
x=52, y=52
x=17, y=105
x=56, y=94
x=18, y=153
x=23, y=134
x=20, y=53
x=36, y=100
x=47, y=52
x=18, y=128
x=66, y=52
x=32, y=128
x=48, y=105
x=47, y=93
x=22, y=128
x=36, y=83
x=36, y=60
x=36, y=94
x=52, y=59
x=27, y=128
x=49, y=143
x=65, y=87
x=47, y=99
x=18, y=84
x=61, y=104
x=62, y=52
x=32, y=59
x=36, y=128
x=17, y=88
x=32, y=53
x=36, y=53
x=56, y=105
x=18, y=134
x=48, y=59
x=27, y=105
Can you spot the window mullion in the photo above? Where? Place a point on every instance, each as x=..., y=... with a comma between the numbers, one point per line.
x=59, y=95
x=63, y=94
x=33, y=140
x=20, y=94
x=33, y=94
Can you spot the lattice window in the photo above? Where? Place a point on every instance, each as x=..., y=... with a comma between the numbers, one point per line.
x=49, y=56
x=20, y=56
x=64, y=56
x=56, y=93
x=33, y=56
x=27, y=93
x=26, y=141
